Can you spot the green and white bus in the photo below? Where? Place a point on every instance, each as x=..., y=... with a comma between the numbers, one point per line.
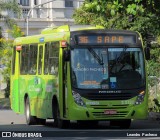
x=80, y=73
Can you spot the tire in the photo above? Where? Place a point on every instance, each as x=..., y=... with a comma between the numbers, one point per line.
x=123, y=124
x=58, y=122
x=41, y=121
x=30, y=120
x=88, y=124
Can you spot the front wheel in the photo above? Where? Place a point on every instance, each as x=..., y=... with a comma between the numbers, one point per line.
x=124, y=124
x=30, y=120
x=88, y=123
x=58, y=122
x=41, y=121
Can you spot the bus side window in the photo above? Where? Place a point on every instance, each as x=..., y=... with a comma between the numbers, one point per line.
x=46, y=58
x=24, y=59
x=13, y=60
x=33, y=59
x=53, y=58
x=40, y=59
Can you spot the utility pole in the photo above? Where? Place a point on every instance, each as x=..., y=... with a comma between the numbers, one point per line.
x=29, y=12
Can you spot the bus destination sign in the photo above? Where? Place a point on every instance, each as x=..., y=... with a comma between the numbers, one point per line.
x=105, y=39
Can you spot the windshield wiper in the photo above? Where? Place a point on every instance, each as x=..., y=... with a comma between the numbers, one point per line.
x=96, y=56
x=122, y=54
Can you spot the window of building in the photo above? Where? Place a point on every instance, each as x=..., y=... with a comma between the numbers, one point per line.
x=68, y=3
x=35, y=2
x=38, y=13
x=25, y=12
x=24, y=2
x=80, y=3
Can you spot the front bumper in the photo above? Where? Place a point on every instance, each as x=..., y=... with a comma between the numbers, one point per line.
x=119, y=110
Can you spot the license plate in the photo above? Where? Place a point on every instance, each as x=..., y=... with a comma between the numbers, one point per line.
x=110, y=112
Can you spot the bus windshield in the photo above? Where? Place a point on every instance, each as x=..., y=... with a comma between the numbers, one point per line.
x=107, y=68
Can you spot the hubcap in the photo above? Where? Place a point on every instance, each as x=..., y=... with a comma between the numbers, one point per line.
x=27, y=111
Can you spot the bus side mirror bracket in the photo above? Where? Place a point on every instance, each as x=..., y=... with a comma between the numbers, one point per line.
x=66, y=55
x=147, y=52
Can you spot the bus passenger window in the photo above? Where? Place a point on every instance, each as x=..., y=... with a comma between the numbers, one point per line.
x=33, y=59
x=13, y=60
x=40, y=60
x=46, y=57
x=24, y=59
x=53, y=58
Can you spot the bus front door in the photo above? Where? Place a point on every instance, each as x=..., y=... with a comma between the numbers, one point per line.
x=14, y=93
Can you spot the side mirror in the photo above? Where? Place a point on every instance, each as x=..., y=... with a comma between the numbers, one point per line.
x=147, y=52
x=66, y=55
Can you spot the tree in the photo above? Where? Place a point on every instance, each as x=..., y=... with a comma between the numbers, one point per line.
x=6, y=55
x=138, y=15
x=5, y=45
x=9, y=6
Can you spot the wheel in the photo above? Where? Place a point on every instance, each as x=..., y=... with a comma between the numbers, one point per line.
x=41, y=121
x=30, y=120
x=88, y=124
x=124, y=124
x=58, y=122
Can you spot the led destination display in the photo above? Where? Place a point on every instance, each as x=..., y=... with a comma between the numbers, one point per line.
x=105, y=39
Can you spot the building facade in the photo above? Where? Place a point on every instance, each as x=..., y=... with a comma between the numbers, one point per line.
x=51, y=13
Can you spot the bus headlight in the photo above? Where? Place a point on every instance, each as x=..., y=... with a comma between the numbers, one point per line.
x=140, y=98
x=78, y=99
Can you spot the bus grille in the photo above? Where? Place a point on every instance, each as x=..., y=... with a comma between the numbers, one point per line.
x=109, y=107
x=99, y=111
x=93, y=96
x=119, y=114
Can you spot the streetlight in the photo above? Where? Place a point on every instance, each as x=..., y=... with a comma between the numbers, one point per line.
x=29, y=12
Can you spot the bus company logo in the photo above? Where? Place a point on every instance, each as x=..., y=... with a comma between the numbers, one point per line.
x=6, y=134
x=41, y=39
x=111, y=91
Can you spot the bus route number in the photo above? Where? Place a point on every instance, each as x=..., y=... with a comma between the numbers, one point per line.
x=83, y=39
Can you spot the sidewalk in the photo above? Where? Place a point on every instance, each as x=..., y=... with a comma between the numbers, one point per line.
x=8, y=117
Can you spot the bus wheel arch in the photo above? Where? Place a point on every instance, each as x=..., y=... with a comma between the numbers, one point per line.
x=25, y=97
x=54, y=109
x=58, y=122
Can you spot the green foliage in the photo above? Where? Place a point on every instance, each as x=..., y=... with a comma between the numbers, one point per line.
x=115, y=14
x=154, y=63
x=10, y=6
x=6, y=45
x=6, y=53
x=16, y=31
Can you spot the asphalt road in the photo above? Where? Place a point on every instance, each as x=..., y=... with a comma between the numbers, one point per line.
x=12, y=122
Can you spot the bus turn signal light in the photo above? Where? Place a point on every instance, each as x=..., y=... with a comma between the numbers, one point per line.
x=18, y=48
x=63, y=43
